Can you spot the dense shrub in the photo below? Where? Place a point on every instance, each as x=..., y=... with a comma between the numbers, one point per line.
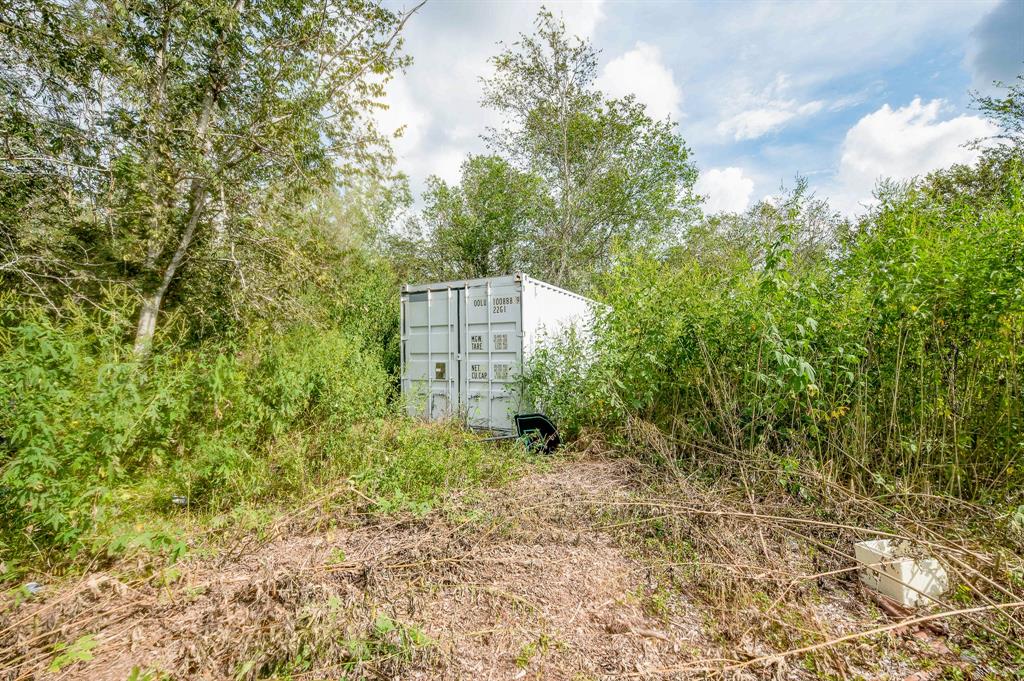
x=84, y=415
x=262, y=406
x=892, y=354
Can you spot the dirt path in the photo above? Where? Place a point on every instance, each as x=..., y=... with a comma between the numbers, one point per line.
x=516, y=583
x=566, y=573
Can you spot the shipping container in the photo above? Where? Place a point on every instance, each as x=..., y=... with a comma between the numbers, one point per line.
x=464, y=345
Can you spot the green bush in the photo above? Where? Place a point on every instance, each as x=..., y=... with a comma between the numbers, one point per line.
x=890, y=356
x=94, y=436
x=262, y=407
x=84, y=416
x=73, y=411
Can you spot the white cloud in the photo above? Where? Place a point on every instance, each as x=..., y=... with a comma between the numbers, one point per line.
x=754, y=123
x=851, y=100
x=726, y=189
x=642, y=72
x=417, y=152
x=901, y=144
x=766, y=111
x=447, y=164
x=582, y=18
x=403, y=115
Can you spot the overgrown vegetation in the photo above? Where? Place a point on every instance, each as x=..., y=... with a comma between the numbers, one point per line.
x=886, y=353
x=251, y=239
x=202, y=240
x=270, y=418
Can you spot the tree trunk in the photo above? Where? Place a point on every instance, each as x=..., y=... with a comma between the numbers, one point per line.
x=150, y=309
x=151, y=304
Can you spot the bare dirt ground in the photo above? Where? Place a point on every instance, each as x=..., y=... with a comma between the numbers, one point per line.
x=534, y=580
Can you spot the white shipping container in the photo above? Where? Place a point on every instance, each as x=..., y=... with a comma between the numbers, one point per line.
x=464, y=344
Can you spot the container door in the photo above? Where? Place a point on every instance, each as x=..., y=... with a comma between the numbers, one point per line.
x=430, y=354
x=492, y=354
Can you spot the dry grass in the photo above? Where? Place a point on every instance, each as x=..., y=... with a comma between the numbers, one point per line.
x=595, y=568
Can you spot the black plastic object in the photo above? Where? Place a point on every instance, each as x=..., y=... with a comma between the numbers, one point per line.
x=538, y=431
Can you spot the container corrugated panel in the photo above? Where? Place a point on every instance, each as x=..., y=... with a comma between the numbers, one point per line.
x=464, y=344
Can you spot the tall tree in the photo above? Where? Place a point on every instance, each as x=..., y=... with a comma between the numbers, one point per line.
x=144, y=138
x=481, y=227
x=610, y=172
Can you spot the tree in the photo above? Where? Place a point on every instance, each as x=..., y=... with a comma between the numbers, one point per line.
x=995, y=178
x=151, y=138
x=480, y=227
x=806, y=225
x=609, y=172
x=1006, y=112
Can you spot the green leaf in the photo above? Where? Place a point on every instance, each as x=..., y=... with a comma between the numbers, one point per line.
x=79, y=651
x=384, y=624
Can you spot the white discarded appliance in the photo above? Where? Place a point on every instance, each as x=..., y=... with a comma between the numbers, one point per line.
x=888, y=568
x=464, y=344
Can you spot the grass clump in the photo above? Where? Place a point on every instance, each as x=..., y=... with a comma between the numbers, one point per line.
x=410, y=466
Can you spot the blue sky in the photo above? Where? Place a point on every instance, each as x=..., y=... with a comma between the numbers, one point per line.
x=839, y=92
